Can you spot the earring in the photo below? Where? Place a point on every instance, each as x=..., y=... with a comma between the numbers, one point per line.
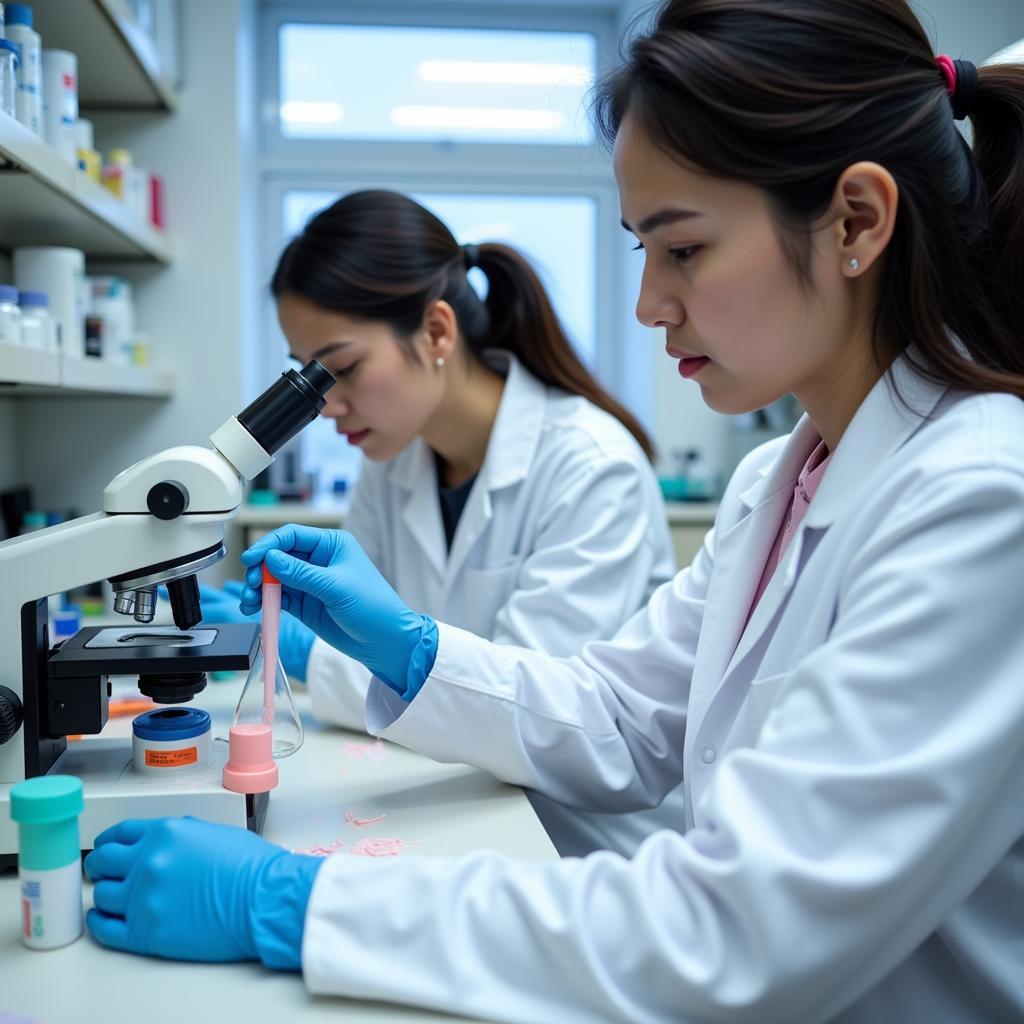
x=855, y=263
x=439, y=362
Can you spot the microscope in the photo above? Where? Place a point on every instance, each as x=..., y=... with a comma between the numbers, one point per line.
x=162, y=522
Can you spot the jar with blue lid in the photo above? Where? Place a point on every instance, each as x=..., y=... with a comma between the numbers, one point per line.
x=171, y=739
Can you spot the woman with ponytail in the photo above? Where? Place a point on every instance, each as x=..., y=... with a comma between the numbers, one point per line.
x=838, y=678
x=503, y=490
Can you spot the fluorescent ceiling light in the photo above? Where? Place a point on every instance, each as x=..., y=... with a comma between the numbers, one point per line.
x=311, y=112
x=504, y=72
x=477, y=117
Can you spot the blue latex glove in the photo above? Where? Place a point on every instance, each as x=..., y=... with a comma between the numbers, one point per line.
x=329, y=583
x=295, y=640
x=186, y=889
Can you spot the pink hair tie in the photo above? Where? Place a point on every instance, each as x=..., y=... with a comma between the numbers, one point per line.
x=948, y=69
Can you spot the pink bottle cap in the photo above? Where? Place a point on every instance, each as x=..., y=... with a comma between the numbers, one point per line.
x=250, y=767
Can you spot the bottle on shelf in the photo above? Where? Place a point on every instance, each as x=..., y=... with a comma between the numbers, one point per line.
x=60, y=101
x=10, y=316
x=10, y=57
x=28, y=103
x=90, y=162
x=38, y=327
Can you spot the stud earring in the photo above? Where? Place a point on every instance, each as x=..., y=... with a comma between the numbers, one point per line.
x=855, y=263
x=439, y=362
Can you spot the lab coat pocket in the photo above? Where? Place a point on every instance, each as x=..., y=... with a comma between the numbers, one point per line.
x=481, y=594
x=761, y=697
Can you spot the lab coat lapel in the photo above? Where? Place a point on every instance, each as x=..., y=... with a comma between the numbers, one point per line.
x=415, y=473
x=740, y=556
x=510, y=451
x=881, y=425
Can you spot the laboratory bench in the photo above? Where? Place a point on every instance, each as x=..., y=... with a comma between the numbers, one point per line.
x=434, y=809
x=688, y=522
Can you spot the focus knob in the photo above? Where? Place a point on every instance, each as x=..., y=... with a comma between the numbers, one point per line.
x=11, y=713
x=167, y=499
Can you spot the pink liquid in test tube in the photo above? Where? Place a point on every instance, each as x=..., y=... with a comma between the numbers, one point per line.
x=271, y=625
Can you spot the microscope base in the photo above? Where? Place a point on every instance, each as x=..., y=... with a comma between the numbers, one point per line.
x=114, y=791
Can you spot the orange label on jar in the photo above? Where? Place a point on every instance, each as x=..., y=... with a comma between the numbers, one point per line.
x=172, y=758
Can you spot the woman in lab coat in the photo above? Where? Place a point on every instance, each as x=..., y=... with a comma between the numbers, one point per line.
x=504, y=490
x=837, y=677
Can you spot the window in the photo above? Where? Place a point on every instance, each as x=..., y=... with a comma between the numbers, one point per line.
x=556, y=233
x=436, y=84
x=477, y=112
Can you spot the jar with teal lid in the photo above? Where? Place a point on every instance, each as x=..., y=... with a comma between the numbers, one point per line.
x=46, y=810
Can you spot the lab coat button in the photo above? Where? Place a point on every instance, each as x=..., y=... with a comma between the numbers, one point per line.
x=707, y=754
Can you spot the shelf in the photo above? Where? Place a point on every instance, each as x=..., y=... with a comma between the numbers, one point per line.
x=44, y=200
x=28, y=366
x=30, y=372
x=118, y=66
x=96, y=376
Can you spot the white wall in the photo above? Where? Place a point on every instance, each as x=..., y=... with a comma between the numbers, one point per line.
x=10, y=473
x=195, y=309
x=971, y=30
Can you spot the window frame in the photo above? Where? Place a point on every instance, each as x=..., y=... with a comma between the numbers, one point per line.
x=286, y=164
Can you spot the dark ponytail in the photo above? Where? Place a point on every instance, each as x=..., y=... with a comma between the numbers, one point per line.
x=380, y=256
x=786, y=95
x=524, y=323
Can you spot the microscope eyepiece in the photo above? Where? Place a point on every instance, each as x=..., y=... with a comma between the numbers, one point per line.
x=287, y=406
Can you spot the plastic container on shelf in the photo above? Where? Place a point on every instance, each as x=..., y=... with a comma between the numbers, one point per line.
x=60, y=272
x=60, y=101
x=29, y=100
x=32, y=521
x=141, y=350
x=89, y=160
x=10, y=316
x=112, y=303
x=115, y=171
x=156, y=202
x=38, y=328
x=10, y=57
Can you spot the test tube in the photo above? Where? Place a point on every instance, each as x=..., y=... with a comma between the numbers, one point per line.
x=271, y=625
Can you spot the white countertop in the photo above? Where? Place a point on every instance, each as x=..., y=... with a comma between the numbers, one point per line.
x=696, y=513
x=439, y=810
x=679, y=513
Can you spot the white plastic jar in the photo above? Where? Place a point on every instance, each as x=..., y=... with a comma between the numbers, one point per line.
x=9, y=57
x=38, y=328
x=60, y=101
x=29, y=101
x=10, y=316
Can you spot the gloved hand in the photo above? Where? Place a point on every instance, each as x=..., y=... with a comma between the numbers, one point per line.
x=295, y=640
x=186, y=889
x=329, y=583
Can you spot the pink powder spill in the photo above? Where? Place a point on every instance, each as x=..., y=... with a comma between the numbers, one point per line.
x=359, y=751
x=373, y=846
x=321, y=851
x=351, y=819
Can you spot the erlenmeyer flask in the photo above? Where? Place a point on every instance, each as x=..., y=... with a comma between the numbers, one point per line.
x=285, y=724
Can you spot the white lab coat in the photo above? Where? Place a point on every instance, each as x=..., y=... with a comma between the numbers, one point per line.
x=854, y=767
x=563, y=538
